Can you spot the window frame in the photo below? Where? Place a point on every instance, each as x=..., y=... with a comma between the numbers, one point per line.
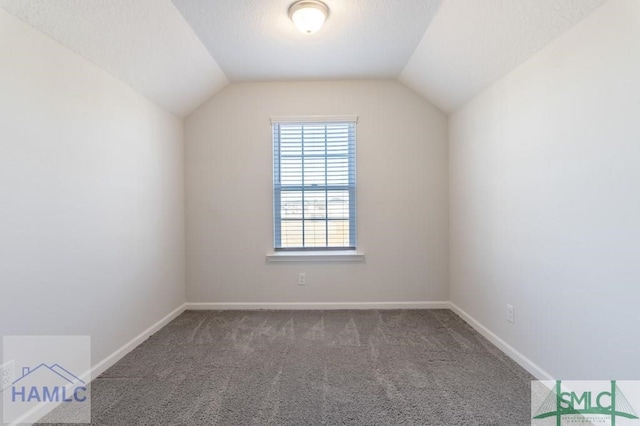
x=350, y=186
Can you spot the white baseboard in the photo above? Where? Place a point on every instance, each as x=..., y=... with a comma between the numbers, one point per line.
x=109, y=361
x=509, y=350
x=318, y=305
x=43, y=408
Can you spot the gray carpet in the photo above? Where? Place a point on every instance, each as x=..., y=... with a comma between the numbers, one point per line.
x=410, y=367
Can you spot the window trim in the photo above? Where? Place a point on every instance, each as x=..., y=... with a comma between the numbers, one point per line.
x=321, y=254
x=326, y=256
x=314, y=119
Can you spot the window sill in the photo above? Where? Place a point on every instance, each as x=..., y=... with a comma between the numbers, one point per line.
x=316, y=256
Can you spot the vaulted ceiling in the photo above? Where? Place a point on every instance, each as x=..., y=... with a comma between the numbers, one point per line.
x=179, y=53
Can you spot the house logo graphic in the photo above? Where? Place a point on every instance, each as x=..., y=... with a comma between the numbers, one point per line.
x=48, y=383
x=585, y=402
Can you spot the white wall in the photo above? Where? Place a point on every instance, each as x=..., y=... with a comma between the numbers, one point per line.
x=545, y=201
x=91, y=193
x=402, y=196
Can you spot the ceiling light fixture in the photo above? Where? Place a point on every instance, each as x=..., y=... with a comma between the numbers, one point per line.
x=308, y=15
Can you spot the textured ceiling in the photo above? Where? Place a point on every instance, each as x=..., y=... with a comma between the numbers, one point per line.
x=255, y=40
x=178, y=56
x=470, y=44
x=144, y=43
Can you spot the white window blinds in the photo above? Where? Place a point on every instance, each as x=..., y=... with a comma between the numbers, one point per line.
x=314, y=184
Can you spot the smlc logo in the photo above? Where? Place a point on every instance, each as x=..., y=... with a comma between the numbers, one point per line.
x=46, y=383
x=586, y=403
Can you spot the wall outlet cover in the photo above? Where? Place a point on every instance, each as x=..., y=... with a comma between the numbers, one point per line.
x=7, y=374
x=510, y=314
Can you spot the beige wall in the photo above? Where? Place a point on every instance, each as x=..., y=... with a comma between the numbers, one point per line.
x=545, y=201
x=402, y=196
x=91, y=194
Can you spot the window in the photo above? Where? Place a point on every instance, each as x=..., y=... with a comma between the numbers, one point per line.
x=314, y=183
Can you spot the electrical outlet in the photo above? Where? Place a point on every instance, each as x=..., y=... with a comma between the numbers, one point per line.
x=7, y=374
x=510, y=314
x=302, y=278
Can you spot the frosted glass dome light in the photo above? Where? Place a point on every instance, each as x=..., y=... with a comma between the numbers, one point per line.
x=308, y=15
